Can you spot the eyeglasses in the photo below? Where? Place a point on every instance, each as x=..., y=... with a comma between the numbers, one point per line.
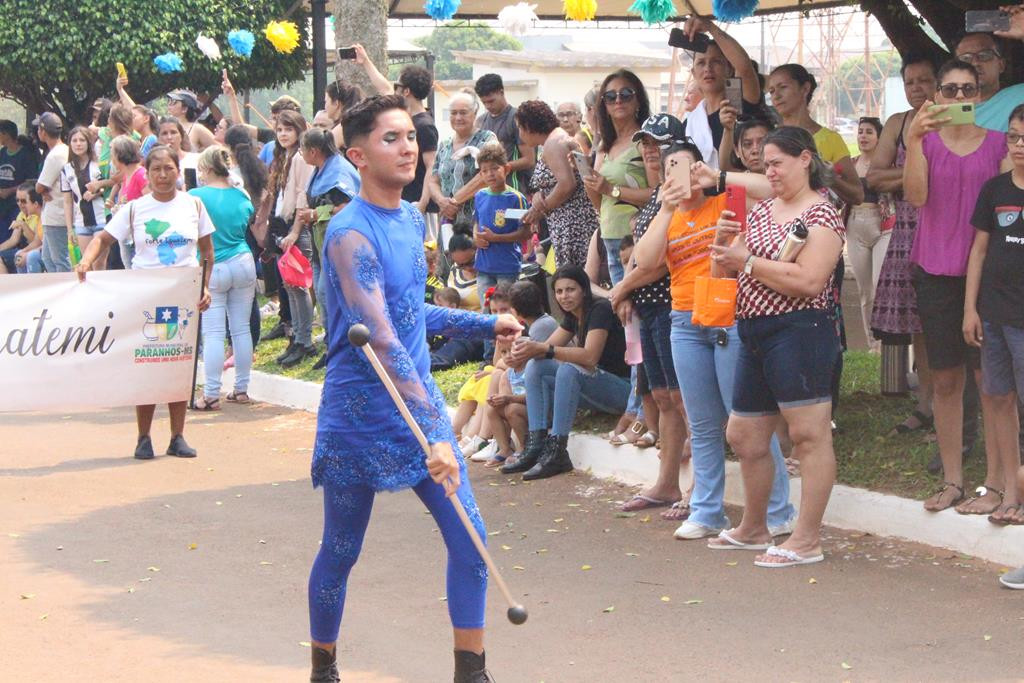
x=1014, y=138
x=624, y=95
x=979, y=56
x=951, y=89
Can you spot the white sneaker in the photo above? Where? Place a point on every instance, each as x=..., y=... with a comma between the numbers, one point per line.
x=472, y=446
x=784, y=529
x=270, y=308
x=691, y=531
x=485, y=453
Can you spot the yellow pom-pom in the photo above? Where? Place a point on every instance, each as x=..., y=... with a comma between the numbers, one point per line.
x=283, y=35
x=580, y=10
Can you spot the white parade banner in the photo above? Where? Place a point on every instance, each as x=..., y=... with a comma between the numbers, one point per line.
x=120, y=338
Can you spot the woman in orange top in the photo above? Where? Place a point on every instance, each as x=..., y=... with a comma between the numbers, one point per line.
x=704, y=357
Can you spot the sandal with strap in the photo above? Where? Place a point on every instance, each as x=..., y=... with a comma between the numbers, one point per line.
x=238, y=397
x=938, y=494
x=1009, y=513
x=982, y=491
x=631, y=435
x=207, y=404
x=647, y=440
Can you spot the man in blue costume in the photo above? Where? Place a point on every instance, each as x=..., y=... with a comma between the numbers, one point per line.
x=376, y=274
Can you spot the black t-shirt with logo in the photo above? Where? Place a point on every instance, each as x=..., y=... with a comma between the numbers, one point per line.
x=999, y=213
x=426, y=137
x=14, y=170
x=602, y=317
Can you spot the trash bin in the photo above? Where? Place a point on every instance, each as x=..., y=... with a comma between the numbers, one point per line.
x=895, y=365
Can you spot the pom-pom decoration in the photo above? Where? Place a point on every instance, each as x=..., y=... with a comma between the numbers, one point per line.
x=733, y=10
x=283, y=35
x=208, y=46
x=241, y=41
x=653, y=11
x=517, y=19
x=167, y=63
x=580, y=10
x=441, y=10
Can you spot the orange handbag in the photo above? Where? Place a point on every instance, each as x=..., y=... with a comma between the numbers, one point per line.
x=714, y=301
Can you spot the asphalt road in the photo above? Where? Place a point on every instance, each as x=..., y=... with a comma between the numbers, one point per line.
x=176, y=570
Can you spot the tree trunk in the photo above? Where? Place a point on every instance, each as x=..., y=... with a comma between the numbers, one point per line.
x=364, y=22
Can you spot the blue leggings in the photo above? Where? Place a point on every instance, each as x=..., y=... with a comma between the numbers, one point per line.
x=346, y=514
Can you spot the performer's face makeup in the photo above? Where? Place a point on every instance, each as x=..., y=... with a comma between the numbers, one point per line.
x=390, y=151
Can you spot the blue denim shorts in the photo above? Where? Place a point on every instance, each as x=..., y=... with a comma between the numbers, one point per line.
x=655, y=330
x=1002, y=359
x=88, y=230
x=785, y=361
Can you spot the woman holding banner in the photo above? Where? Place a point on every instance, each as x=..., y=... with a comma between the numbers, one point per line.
x=186, y=229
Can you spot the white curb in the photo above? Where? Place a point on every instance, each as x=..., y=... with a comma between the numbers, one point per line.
x=849, y=508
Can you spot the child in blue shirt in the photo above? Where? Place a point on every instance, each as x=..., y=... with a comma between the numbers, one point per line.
x=496, y=234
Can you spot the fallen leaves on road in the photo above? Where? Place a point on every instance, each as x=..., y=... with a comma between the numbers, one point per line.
x=152, y=569
x=192, y=546
x=665, y=598
x=586, y=567
x=694, y=602
x=845, y=666
x=609, y=609
x=101, y=561
x=27, y=596
x=812, y=580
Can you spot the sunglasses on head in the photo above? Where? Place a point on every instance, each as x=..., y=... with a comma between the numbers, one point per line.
x=951, y=89
x=624, y=95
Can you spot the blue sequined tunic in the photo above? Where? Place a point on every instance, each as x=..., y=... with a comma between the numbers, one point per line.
x=376, y=276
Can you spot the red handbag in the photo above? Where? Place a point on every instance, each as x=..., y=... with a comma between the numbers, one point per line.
x=295, y=268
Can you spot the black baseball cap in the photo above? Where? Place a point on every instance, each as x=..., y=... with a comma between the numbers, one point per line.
x=49, y=122
x=664, y=128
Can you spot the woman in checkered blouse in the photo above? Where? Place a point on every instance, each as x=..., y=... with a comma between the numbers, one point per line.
x=790, y=341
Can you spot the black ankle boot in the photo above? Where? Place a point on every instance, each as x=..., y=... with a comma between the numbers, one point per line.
x=532, y=450
x=287, y=351
x=469, y=668
x=325, y=666
x=554, y=460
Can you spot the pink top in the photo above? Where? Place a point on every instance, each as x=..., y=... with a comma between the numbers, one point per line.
x=944, y=234
x=132, y=188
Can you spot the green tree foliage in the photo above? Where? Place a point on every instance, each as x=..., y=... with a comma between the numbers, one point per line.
x=60, y=55
x=461, y=35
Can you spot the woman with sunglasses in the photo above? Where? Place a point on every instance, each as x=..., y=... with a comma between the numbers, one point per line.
x=620, y=184
x=947, y=164
x=867, y=234
x=894, y=317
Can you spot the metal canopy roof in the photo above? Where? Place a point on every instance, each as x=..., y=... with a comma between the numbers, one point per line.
x=607, y=10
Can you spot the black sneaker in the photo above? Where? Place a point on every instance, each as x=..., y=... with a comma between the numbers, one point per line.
x=287, y=352
x=299, y=353
x=278, y=331
x=144, y=449
x=179, y=448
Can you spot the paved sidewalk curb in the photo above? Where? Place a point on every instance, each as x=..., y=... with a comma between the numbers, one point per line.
x=849, y=508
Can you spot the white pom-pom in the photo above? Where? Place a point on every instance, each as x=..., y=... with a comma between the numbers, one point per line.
x=209, y=47
x=517, y=19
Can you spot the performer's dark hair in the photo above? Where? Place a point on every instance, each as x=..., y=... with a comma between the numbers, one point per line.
x=360, y=120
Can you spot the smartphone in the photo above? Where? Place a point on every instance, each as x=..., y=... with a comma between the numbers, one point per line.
x=700, y=42
x=583, y=164
x=986, y=21
x=734, y=93
x=346, y=53
x=515, y=214
x=191, y=179
x=736, y=201
x=677, y=167
x=960, y=113
x=121, y=71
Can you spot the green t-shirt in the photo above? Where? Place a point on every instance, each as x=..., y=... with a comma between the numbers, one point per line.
x=625, y=170
x=230, y=210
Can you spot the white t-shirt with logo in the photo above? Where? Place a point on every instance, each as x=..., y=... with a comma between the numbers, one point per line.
x=53, y=210
x=166, y=234
x=69, y=183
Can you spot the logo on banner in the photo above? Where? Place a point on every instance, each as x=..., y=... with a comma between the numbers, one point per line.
x=166, y=325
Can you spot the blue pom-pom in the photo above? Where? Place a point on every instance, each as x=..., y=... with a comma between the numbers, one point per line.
x=241, y=41
x=169, y=62
x=653, y=11
x=441, y=10
x=733, y=10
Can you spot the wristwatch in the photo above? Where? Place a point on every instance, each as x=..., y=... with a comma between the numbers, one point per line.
x=550, y=353
x=616, y=191
x=748, y=265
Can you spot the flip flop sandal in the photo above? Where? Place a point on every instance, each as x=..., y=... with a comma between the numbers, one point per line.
x=207, y=405
x=641, y=502
x=1008, y=512
x=732, y=544
x=679, y=511
x=790, y=559
x=238, y=397
x=647, y=440
x=974, y=499
x=946, y=485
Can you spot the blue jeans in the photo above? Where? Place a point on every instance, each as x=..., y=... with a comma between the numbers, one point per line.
x=615, y=270
x=485, y=281
x=55, y=249
x=33, y=262
x=635, y=406
x=232, y=289
x=558, y=389
x=706, y=372
x=320, y=285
